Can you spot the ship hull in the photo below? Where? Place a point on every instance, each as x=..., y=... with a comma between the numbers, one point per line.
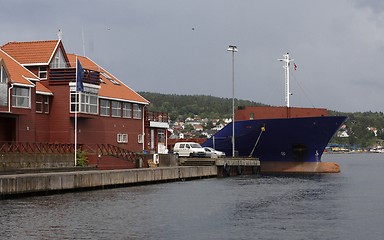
x=278, y=140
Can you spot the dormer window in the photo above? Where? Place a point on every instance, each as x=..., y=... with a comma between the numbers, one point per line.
x=43, y=72
x=109, y=78
x=59, y=60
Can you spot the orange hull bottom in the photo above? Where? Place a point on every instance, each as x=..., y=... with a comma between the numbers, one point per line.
x=299, y=167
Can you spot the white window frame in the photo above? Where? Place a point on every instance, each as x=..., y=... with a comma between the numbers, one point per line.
x=105, y=107
x=127, y=110
x=18, y=96
x=43, y=73
x=88, y=100
x=116, y=108
x=122, y=138
x=140, y=138
x=137, y=113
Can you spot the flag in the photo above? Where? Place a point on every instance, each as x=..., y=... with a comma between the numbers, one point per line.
x=294, y=66
x=79, y=76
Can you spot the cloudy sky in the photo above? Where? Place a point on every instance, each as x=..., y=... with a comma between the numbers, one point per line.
x=180, y=47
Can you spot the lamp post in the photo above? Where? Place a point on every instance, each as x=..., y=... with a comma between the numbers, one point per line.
x=233, y=49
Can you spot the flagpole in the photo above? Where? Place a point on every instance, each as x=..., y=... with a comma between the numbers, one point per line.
x=76, y=109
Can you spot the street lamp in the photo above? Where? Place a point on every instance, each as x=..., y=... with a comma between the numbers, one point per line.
x=233, y=49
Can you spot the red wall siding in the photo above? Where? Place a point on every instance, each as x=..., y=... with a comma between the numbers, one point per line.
x=60, y=122
x=42, y=127
x=104, y=130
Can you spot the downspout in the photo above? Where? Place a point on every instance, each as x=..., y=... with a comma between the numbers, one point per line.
x=9, y=97
x=143, y=129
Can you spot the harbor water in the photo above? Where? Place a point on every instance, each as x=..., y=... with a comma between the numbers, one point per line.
x=348, y=205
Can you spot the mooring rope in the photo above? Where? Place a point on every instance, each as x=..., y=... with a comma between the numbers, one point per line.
x=257, y=141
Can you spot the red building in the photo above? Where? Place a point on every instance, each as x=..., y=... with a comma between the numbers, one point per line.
x=40, y=101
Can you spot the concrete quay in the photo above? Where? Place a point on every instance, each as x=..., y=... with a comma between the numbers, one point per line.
x=42, y=183
x=227, y=166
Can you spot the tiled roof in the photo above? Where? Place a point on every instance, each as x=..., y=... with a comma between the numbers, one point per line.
x=114, y=89
x=36, y=52
x=20, y=75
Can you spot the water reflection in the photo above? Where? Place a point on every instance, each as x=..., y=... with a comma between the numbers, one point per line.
x=314, y=206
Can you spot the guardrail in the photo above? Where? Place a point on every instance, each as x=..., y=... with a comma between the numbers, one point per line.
x=37, y=148
x=112, y=150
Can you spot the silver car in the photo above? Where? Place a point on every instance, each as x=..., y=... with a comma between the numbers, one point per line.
x=213, y=153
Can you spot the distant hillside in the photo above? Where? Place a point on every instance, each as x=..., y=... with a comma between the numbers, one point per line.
x=183, y=106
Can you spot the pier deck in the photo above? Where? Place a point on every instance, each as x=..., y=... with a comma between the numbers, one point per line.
x=55, y=182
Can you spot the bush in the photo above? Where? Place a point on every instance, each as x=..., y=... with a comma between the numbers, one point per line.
x=81, y=158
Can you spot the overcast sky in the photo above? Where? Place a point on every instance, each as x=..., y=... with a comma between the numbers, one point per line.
x=180, y=47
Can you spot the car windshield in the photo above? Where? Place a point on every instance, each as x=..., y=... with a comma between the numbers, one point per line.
x=195, y=145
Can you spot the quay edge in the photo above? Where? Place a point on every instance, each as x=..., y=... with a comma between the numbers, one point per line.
x=40, y=183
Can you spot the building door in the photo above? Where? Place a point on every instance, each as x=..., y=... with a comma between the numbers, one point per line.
x=7, y=129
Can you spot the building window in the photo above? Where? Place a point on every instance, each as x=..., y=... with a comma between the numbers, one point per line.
x=42, y=104
x=3, y=86
x=21, y=97
x=58, y=61
x=116, y=109
x=88, y=100
x=161, y=135
x=3, y=75
x=251, y=116
x=43, y=72
x=122, y=138
x=88, y=103
x=127, y=110
x=105, y=107
x=140, y=138
x=136, y=111
x=75, y=101
x=46, y=104
x=39, y=103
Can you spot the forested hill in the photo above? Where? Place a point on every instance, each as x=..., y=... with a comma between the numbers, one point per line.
x=183, y=106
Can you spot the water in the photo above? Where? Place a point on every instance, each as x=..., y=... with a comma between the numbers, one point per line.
x=349, y=205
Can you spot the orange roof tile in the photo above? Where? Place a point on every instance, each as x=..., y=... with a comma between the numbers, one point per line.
x=40, y=88
x=18, y=73
x=21, y=75
x=107, y=88
x=31, y=52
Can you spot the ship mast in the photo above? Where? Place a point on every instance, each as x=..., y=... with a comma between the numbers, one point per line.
x=286, y=61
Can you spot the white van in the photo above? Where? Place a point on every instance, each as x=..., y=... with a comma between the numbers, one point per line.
x=188, y=149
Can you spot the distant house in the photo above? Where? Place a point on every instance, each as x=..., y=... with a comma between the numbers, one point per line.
x=198, y=127
x=40, y=100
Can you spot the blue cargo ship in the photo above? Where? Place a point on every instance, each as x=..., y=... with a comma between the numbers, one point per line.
x=278, y=134
x=298, y=139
